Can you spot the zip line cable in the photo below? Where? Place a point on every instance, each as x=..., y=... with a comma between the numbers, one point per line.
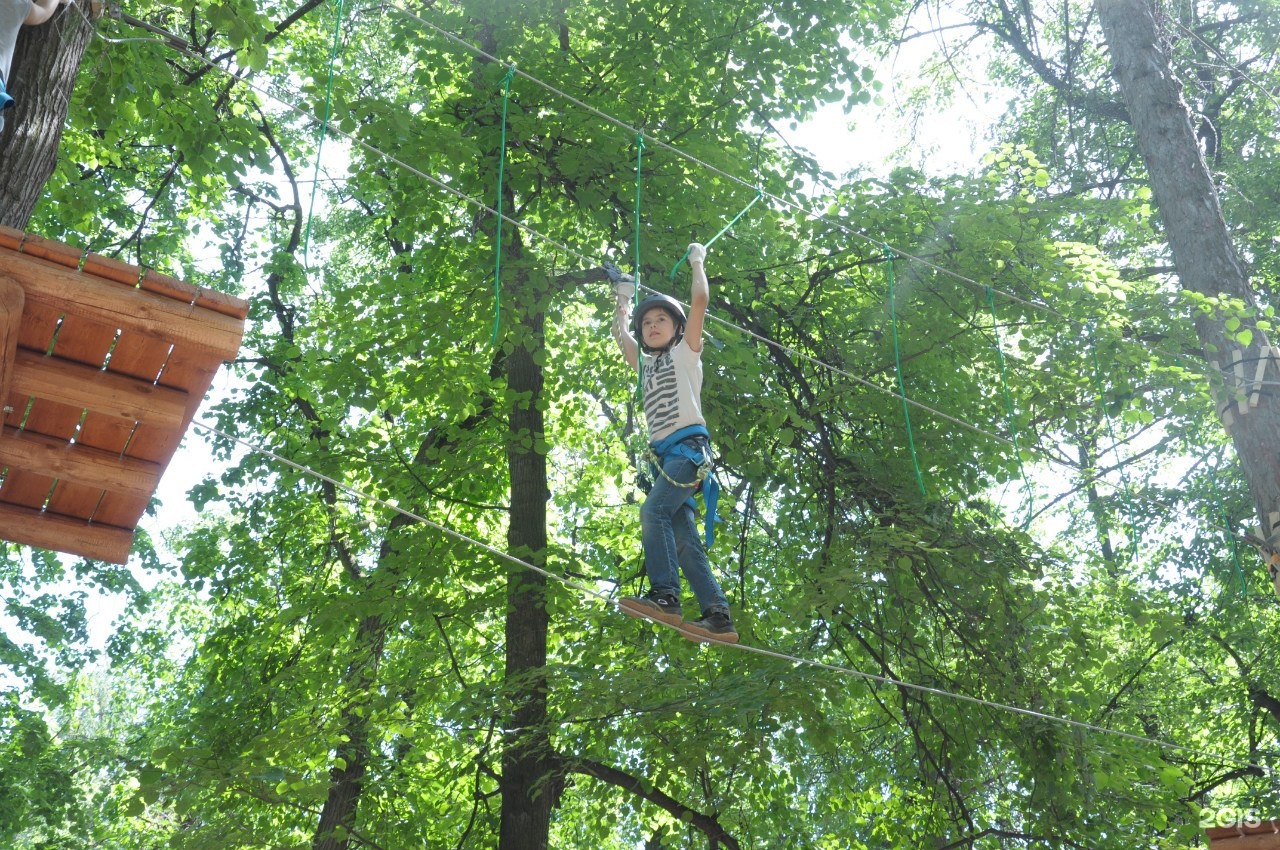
x=754, y=650
x=177, y=45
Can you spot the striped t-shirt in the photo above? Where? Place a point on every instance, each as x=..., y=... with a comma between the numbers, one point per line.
x=672, y=390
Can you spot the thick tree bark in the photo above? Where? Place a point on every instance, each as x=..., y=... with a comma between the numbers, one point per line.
x=43, y=75
x=346, y=781
x=528, y=765
x=1203, y=253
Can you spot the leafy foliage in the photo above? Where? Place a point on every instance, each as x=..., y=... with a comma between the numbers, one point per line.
x=1072, y=554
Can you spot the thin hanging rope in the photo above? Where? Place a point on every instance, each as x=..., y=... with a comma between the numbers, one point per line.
x=1115, y=445
x=1008, y=408
x=897, y=366
x=497, y=242
x=1231, y=542
x=324, y=129
x=768, y=653
x=723, y=230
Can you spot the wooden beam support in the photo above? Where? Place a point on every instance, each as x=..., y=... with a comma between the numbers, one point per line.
x=30, y=527
x=1269, y=841
x=12, y=300
x=78, y=464
x=126, y=308
x=81, y=386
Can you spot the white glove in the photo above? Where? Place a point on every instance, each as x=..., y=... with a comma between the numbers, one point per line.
x=697, y=253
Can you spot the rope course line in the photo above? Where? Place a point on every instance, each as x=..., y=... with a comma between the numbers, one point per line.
x=176, y=44
x=748, y=648
x=592, y=261
x=1040, y=306
x=879, y=679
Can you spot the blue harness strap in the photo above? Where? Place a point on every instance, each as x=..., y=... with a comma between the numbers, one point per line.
x=6, y=100
x=675, y=445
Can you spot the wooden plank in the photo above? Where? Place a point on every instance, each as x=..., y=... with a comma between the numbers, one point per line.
x=12, y=300
x=59, y=253
x=10, y=237
x=36, y=333
x=134, y=356
x=53, y=417
x=191, y=369
x=30, y=527
x=84, y=342
x=77, y=385
x=210, y=299
x=79, y=463
x=122, y=307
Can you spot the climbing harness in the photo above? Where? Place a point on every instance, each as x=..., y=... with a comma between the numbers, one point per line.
x=694, y=444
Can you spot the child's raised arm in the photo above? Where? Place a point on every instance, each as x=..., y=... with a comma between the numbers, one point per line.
x=42, y=10
x=622, y=323
x=699, y=297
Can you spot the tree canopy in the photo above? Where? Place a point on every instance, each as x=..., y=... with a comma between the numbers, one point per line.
x=986, y=539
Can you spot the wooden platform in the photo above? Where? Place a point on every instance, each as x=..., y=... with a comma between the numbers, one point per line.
x=102, y=368
x=1263, y=836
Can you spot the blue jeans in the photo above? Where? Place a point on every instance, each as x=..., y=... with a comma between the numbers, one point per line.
x=669, y=534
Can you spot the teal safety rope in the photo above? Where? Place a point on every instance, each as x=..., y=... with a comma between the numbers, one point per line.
x=324, y=128
x=723, y=230
x=897, y=364
x=635, y=295
x=1008, y=407
x=1111, y=433
x=497, y=252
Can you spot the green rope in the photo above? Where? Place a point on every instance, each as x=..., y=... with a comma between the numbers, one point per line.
x=324, y=128
x=897, y=365
x=635, y=295
x=1111, y=433
x=1231, y=539
x=497, y=253
x=1008, y=408
x=723, y=230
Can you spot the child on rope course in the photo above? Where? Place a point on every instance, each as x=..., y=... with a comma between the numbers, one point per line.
x=671, y=371
x=14, y=15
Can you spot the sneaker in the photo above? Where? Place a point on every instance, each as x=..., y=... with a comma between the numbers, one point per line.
x=664, y=608
x=715, y=626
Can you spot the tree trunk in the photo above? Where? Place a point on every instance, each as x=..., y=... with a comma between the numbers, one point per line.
x=528, y=765
x=1203, y=253
x=346, y=780
x=43, y=75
